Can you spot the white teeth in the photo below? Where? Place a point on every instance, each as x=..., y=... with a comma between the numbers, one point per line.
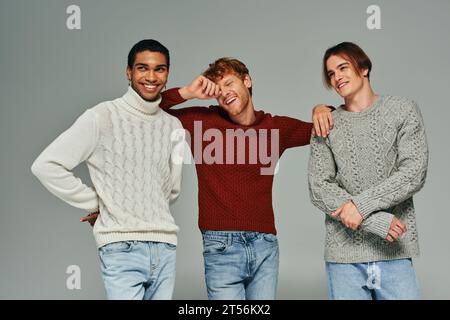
x=342, y=84
x=230, y=100
x=149, y=86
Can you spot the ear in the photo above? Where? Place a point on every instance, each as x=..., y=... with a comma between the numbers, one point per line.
x=129, y=73
x=247, y=81
x=364, y=72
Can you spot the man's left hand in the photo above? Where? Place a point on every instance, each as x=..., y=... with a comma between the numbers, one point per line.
x=349, y=215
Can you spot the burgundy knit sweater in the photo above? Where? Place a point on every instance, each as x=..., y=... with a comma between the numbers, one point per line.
x=233, y=194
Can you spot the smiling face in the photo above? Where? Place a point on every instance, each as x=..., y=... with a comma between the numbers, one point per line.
x=235, y=95
x=346, y=80
x=148, y=74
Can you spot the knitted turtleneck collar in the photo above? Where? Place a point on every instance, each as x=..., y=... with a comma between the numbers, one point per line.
x=142, y=106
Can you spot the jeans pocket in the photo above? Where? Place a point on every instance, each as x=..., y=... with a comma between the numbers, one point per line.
x=170, y=246
x=214, y=246
x=270, y=237
x=117, y=247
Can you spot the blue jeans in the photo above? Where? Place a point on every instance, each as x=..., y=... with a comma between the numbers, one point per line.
x=240, y=265
x=379, y=280
x=138, y=270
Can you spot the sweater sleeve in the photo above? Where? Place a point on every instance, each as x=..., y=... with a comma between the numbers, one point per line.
x=53, y=166
x=170, y=98
x=327, y=195
x=409, y=177
x=176, y=162
x=325, y=192
x=188, y=115
x=293, y=132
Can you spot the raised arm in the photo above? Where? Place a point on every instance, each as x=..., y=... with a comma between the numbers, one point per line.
x=200, y=88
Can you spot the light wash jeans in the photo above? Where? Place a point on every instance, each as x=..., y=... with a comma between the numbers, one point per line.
x=138, y=270
x=240, y=265
x=379, y=280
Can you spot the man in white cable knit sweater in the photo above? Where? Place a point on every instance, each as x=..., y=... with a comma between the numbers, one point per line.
x=133, y=152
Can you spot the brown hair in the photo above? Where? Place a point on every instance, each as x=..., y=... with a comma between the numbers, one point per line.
x=351, y=52
x=223, y=66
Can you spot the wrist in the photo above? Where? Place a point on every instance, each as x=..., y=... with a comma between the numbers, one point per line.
x=356, y=209
x=185, y=93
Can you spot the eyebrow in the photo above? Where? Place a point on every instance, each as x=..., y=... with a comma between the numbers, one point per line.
x=146, y=65
x=339, y=65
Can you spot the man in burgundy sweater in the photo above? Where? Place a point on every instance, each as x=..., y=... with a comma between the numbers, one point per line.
x=236, y=150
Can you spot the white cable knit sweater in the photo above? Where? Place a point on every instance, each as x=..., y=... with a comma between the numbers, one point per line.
x=130, y=146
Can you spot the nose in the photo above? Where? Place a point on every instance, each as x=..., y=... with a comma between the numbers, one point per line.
x=150, y=76
x=337, y=76
x=225, y=91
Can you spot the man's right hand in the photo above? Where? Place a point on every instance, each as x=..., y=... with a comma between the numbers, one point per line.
x=200, y=88
x=396, y=230
x=91, y=218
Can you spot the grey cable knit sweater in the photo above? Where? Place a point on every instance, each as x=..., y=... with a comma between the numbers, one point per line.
x=378, y=159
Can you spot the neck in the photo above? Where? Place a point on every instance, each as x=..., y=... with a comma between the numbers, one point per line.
x=360, y=100
x=247, y=117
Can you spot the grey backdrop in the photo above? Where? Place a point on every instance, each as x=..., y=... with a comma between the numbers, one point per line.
x=50, y=75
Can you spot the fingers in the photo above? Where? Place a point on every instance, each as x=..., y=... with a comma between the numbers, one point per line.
x=330, y=120
x=204, y=83
x=337, y=212
x=316, y=126
x=217, y=92
x=89, y=217
x=313, y=132
x=354, y=226
x=323, y=121
x=398, y=230
x=401, y=226
x=393, y=234
x=389, y=238
x=209, y=88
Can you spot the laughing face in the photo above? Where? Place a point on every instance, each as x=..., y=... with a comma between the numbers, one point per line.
x=149, y=74
x=235, y=95
x=344, y=78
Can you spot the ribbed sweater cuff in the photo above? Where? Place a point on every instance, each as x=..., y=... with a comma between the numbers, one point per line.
x=364, y=204
x=378, y=224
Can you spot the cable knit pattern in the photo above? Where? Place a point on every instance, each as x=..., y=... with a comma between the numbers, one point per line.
x=236, y=196
x=127, y=146
x=378, y=159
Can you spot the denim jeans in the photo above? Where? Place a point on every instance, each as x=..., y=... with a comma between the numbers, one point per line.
x=240, y=265
x=138, y=270
x=379, y=280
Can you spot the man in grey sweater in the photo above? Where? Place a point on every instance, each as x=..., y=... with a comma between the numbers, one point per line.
x=363, y=177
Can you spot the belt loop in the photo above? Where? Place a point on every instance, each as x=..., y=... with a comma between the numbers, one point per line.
x=230, y=238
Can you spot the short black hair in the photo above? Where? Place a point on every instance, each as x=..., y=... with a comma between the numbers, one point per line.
x=147, y=45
